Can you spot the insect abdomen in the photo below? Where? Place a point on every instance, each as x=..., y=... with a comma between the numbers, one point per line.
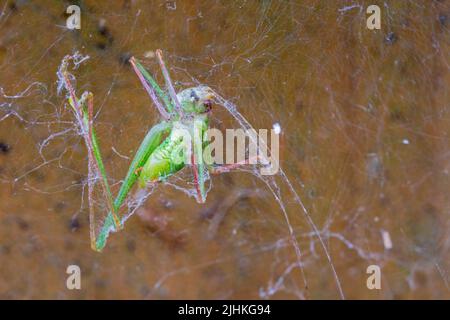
x=167, y=159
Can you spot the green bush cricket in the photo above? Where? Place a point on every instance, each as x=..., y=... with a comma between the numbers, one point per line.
x=163, y=151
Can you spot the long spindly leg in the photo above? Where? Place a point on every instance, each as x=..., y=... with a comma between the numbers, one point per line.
x=224, y=168
x=168, y=81
x=151, y=141
x=84, y=119
x=154, y=91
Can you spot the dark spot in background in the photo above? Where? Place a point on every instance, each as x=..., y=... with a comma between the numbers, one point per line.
x=104, y=32
x=59, y=206
x=5, y=249
x=131, y=245
x=396, y=114
x=194, y=95
x=124, y=58
x=4, y=148
x=100, y=283
x=13, y=6
x=31, y=246
x=312, y=193
x=68, y=245
x=443, y=19
x=145, y=290
x=390, y=38
x=23, y=224
x=74, y=224
x=420, y=277
x=167, y=204
x=299, y=105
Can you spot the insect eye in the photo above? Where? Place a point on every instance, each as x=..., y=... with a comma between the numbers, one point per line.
x=194, y=96
x=208, y=105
